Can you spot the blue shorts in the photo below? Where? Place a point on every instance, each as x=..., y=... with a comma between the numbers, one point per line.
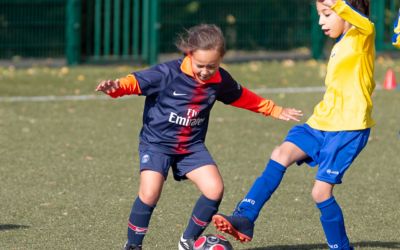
x=181, y=163
x=333, y=152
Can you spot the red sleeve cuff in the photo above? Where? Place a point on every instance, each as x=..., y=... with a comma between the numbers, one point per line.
x=127, y=86
x=253, y=102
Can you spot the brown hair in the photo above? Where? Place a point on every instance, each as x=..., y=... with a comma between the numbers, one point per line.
x=361, y=5
x=203, y=37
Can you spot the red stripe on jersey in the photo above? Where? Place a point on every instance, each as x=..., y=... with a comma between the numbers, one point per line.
x=193, y=111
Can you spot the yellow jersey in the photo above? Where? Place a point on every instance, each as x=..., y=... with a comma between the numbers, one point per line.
x=347, y=103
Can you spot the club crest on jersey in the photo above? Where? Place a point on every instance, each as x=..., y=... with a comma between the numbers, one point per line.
x=145, y=158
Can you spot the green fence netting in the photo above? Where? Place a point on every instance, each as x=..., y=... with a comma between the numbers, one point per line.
x=112, y=30
x=30, y=28
x=247, y=25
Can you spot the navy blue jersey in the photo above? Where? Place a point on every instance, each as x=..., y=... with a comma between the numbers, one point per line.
x=177, y=107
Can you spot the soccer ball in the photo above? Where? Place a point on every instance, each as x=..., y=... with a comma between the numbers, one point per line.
x=212, y=242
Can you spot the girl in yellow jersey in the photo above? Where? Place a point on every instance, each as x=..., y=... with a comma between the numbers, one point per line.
x=335, y=133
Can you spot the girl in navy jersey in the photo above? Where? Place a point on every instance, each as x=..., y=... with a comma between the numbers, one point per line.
x=179, y=97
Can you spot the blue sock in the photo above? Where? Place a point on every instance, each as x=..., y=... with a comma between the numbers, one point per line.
x=333, y=224
x=261, y=191
x=201, y=217
x=139, y=220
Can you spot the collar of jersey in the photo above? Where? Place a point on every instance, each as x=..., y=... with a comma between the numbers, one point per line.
x=186, y=68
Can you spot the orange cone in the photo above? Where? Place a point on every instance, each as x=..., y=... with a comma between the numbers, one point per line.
x=390, y=80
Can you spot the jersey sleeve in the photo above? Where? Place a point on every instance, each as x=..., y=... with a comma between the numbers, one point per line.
x=253, y=102
x=229, y=90
x=127, y=86
x=360, y=21
x=145, y=82
x=153, y=80
x=234, y=94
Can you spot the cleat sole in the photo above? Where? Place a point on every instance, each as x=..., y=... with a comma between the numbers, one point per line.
x=223, y=225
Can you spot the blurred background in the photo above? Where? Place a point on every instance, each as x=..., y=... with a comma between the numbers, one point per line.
x=143, y=31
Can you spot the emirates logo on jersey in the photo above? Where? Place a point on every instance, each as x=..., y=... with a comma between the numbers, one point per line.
x=190, y=120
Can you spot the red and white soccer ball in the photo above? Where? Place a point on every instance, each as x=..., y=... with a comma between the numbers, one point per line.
x=212, y=242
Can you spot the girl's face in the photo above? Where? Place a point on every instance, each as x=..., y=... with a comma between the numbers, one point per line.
x=205, y=63
x=332, y=25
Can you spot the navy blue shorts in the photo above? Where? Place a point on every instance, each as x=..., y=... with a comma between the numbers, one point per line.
x=333, y=152
x=181, y=164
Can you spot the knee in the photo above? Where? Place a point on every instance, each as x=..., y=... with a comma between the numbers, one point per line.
x=320, y=195
x=215, y=191
x=280, y=156
x=149, y=197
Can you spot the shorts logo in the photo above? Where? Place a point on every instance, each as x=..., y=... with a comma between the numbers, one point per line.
x=332, y=172
x=145, y=158
x=251, y=201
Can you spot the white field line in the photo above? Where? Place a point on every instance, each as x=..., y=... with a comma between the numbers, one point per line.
x=289, y=90
x=51, y=98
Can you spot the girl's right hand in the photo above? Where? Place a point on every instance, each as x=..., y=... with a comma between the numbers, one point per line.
x=108, y=86
x=290, y=114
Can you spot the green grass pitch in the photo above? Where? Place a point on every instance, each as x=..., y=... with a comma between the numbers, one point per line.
x=69, y=169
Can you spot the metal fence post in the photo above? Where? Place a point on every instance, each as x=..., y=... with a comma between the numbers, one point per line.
x=116, y=29
x=317, y=38
x=378, y=17
x=73, y=34
x=136, y=29
x=153, y=29
x=145, y=30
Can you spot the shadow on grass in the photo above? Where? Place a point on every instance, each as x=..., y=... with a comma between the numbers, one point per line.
x=5, y=227
x=375, y=244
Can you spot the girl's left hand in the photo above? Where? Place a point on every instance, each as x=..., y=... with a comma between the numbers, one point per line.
x=290, y=114
x=108, y=86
